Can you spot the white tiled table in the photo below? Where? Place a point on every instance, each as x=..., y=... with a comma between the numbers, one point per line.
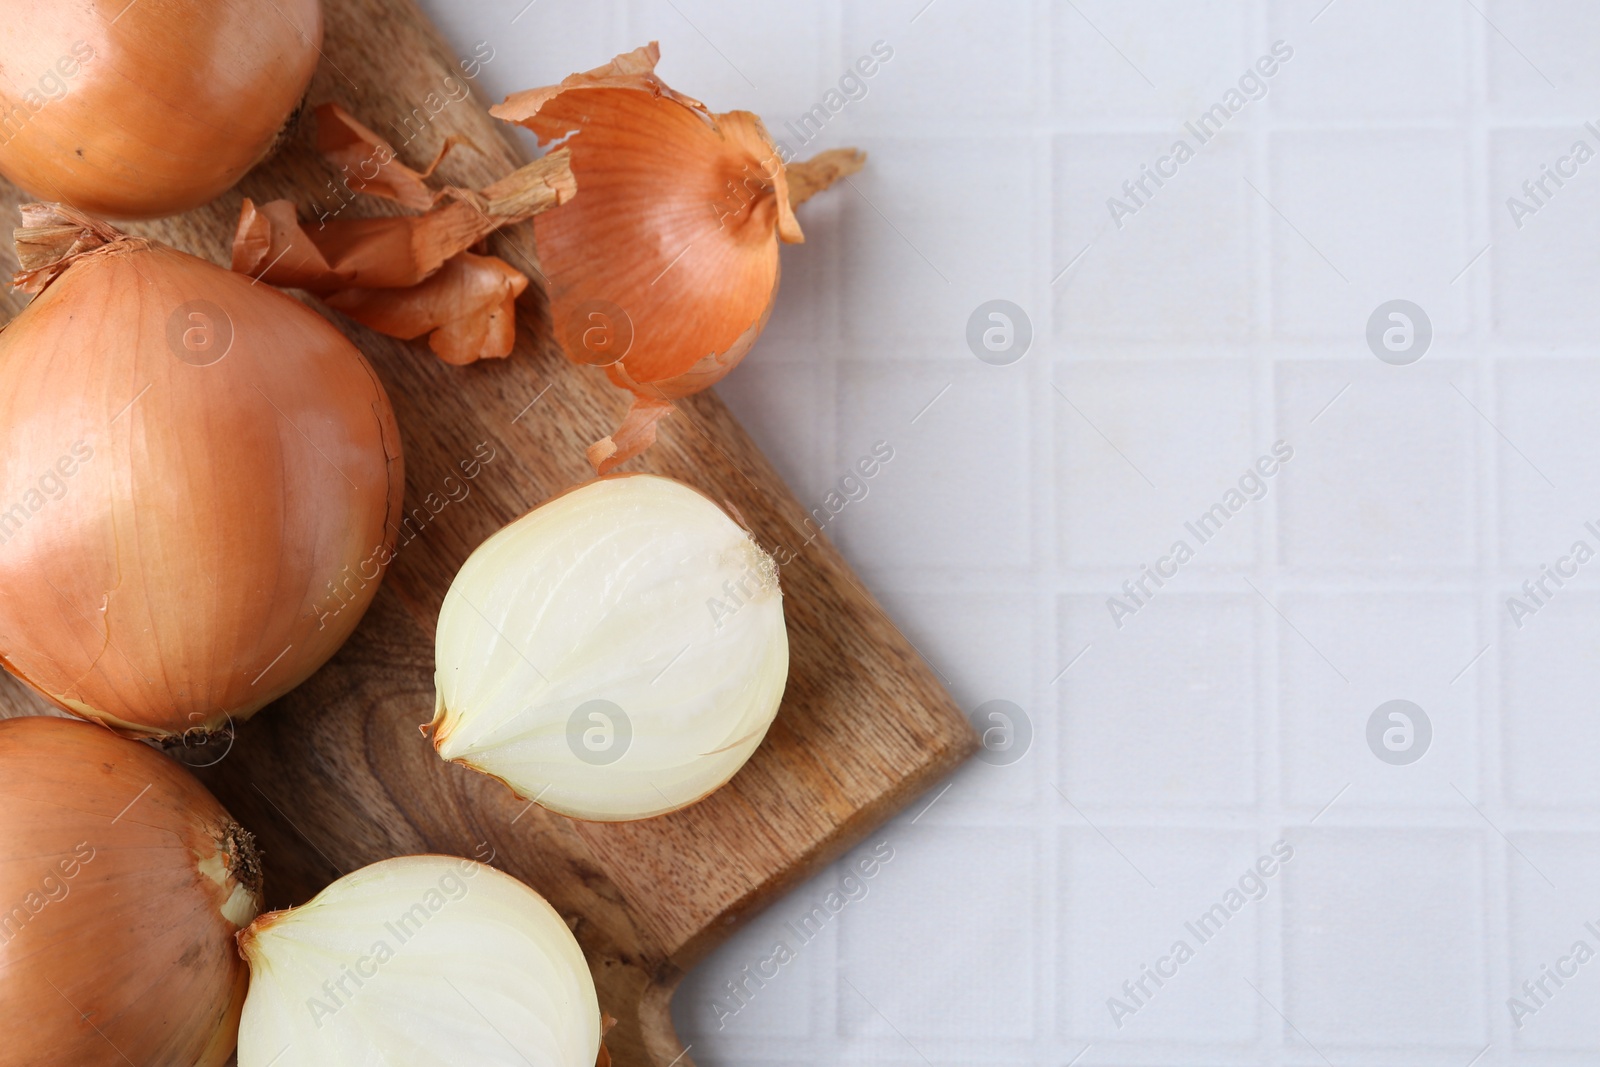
x=1230, y=711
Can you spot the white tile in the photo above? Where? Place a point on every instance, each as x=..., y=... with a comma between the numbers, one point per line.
x=1545, y=408
x=1114, y=925
x=1156, y=58
x=1142, y=449
x=1542, y=262
x=1551, y=738
x=1383, y=939
x=1539, y=55
x=917, y=259
x=959, y=474
x=780, y=404
x=1382, y=473
x=758, y=983
x=712, y=50
x=1373, y=58
x=948, y=59
x=1180, y=267
x=1546, y=926
x=524, y=46
x=983, y=912
x=802, y=310
x=1387, y=646
x=1159, y=713
x=983, y=643
x=1364, y=217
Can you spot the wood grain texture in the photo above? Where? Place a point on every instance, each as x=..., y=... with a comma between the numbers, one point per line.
x=336, y=775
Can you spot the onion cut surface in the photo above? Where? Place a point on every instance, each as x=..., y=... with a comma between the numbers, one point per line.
x=418, y=961
x=616, y=653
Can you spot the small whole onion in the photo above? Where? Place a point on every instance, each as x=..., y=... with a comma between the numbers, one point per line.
x=414, y=962
x=199, y=480
x=122, y=886
x=614, y=654
x=664, y=269
x=140, y=109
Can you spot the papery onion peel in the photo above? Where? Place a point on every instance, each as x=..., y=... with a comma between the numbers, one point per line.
x=407, y=275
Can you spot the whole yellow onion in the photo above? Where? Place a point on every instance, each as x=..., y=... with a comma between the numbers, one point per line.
x=123, y=884
x=664, y=269
x=141, y=108
x=199, y=483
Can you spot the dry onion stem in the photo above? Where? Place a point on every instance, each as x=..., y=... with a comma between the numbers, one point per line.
x=671, y=254
x=409, y=275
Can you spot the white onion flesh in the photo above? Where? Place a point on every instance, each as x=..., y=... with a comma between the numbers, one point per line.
x=419, y=961
x=617, y=653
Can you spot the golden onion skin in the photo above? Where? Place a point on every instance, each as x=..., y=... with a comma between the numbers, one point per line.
x=653, y=176
x=233, y=518
x=149, y=108
x=114, y=946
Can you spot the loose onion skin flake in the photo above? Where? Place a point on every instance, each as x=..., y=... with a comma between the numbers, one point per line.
x=199, y=481
x=418, y=961
x=123, y=884
x=409, y=275
x=137, y=110
x=616, y=653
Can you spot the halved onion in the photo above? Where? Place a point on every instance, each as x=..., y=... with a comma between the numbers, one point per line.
x=199, y=481
x=418, y=961
x=140, y=108
x=616, y=653
x=123, y=883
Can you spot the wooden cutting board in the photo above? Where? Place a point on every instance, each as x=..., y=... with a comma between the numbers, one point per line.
x=337, y=775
